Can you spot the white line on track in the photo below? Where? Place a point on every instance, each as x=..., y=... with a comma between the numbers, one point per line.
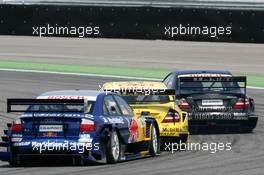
x=95, y=75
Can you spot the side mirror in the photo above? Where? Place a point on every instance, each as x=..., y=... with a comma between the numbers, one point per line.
x=113, y=109
x=144, y=113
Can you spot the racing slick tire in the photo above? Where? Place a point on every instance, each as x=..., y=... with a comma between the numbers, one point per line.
x=154, y=145
x=13, y=163
x=113, y=148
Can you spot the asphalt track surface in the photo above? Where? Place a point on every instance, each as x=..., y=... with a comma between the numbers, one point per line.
x=245, y=158
x=240, y=58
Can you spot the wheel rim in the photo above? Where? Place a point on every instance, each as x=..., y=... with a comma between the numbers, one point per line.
x=154, y=140
x=115, y=146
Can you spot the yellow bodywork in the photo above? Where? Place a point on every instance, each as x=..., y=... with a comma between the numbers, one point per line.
x=158, y=110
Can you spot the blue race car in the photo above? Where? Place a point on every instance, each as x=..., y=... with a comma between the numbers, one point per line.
x=216, y=101
x=79, y=126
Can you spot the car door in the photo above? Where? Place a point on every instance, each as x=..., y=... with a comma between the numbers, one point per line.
x=137, y=122
x=114, y=115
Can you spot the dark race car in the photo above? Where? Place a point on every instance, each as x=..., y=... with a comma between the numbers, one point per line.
x=215, y=101
x=79, y=126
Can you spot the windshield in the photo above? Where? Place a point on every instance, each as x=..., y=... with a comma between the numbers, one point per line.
x=87, y=108
x=205, y=87
x=150, y=99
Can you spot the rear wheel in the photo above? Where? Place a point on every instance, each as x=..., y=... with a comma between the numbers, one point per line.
x=13, y=163
x=154, y=142
x=13, y=159
x=113, y=148
x=247, y=130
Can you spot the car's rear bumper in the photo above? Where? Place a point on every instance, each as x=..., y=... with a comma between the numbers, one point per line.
x=72, y=152
x=58, y=158
x=222, y=126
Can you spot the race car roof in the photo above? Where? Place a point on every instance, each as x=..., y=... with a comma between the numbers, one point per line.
x=134, y=84
x=70, y=94
x=182, y=72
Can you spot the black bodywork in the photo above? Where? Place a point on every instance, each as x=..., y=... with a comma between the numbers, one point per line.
x=216, y=101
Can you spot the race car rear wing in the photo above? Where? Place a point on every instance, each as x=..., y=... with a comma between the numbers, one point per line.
x=18, y=103
x=25, y=105
x=190, y=83
x=46, y=106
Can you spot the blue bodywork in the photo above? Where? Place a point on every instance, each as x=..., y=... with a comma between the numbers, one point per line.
x=83, y=146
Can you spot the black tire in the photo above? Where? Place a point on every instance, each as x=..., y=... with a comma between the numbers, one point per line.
x=113, y=148
x=13, y=164
x=154, y=145
x=247, y=130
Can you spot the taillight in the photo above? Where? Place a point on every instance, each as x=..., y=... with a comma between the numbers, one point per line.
x=87, y=125
x=171, y=117
x=242, y=103
x=183, y=104
x=16, y=126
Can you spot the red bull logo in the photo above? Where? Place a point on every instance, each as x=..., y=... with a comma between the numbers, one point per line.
x=133, y=131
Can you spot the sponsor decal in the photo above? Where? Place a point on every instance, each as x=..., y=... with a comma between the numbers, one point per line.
x=50, y=134
x=16, y=135
x=21, y=143
x=205, y=75
x=66, y=97
x=212, y=102
x=49, y=114
x=211, y=108
x=141, y=122
x=217, y=116
x=133, y=131
x=118, y=120
x=170, y=130
x=50, y=128
x=89, y=116
x=85, y=138
x=113, y=120
x=16, y=139
x=48, y=120
x=104, y=119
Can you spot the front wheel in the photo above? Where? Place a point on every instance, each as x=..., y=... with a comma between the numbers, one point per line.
x=154, y=142
x=113, y=148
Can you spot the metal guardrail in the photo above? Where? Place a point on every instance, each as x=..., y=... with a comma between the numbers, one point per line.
x=216, y=4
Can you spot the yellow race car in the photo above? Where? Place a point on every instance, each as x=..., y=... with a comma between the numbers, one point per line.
x=154, y=99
